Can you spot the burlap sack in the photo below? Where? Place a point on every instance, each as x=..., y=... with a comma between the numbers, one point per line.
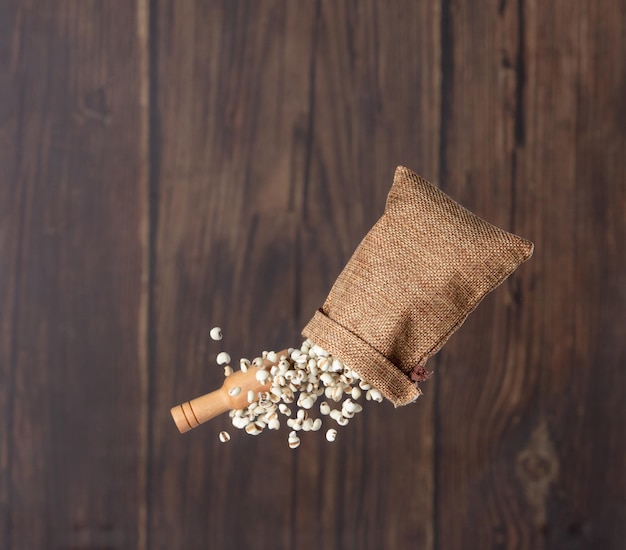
x=413, y=280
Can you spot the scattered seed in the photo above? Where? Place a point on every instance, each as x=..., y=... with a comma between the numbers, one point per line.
x=252, y=429
x=376, y=395
x=216, y=334
x=224, y=436
x=301, y=376
x=273, y=424
x=223, y=358
x=262, y=376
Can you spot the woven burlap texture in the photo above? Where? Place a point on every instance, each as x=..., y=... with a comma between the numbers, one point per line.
x=413, y=280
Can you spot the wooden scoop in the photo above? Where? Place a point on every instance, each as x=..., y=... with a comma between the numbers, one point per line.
x=192, y=413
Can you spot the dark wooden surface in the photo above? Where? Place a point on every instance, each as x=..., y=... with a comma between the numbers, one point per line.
x=168, y=166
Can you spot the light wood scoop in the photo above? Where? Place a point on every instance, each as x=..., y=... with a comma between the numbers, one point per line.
x=192, y=413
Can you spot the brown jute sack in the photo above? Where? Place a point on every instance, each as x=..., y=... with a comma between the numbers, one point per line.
x=413, y=280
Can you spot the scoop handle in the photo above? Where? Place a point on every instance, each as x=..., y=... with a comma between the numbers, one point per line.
x=191, y=414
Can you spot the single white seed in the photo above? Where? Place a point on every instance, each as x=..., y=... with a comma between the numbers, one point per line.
x=284, y=409
x=223, y=358
x=323, y=364
x=250, y=396
x=337, y=366
x=288, y=395
x=317, y=424
x=335, y=414
x=240, y=422
x=272, y=357
x=216, y=334
x=224, y=436
x=262, y=376
x=274, y=424
x=307, y=402
x=324, y=408
x=337, y=393
x=301, y=414
x=234, y=391
x=228, y=370
x=252, y=429
x=355, y=393
x=376, y=395
x=294, y=442
x=342, y=420
x=331, y=434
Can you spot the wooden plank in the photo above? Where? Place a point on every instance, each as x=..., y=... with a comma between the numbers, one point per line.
x=484, y=381
x=232, y=92
x=375, y=105
x=588, y=507
x=71, y=201
x=538, y=367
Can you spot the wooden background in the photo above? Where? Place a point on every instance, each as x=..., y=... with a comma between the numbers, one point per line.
x=171, y=165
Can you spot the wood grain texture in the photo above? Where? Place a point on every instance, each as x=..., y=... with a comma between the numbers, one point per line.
x=232, y=91
x=536, y=374
x=169, y=166
x=71, y=274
